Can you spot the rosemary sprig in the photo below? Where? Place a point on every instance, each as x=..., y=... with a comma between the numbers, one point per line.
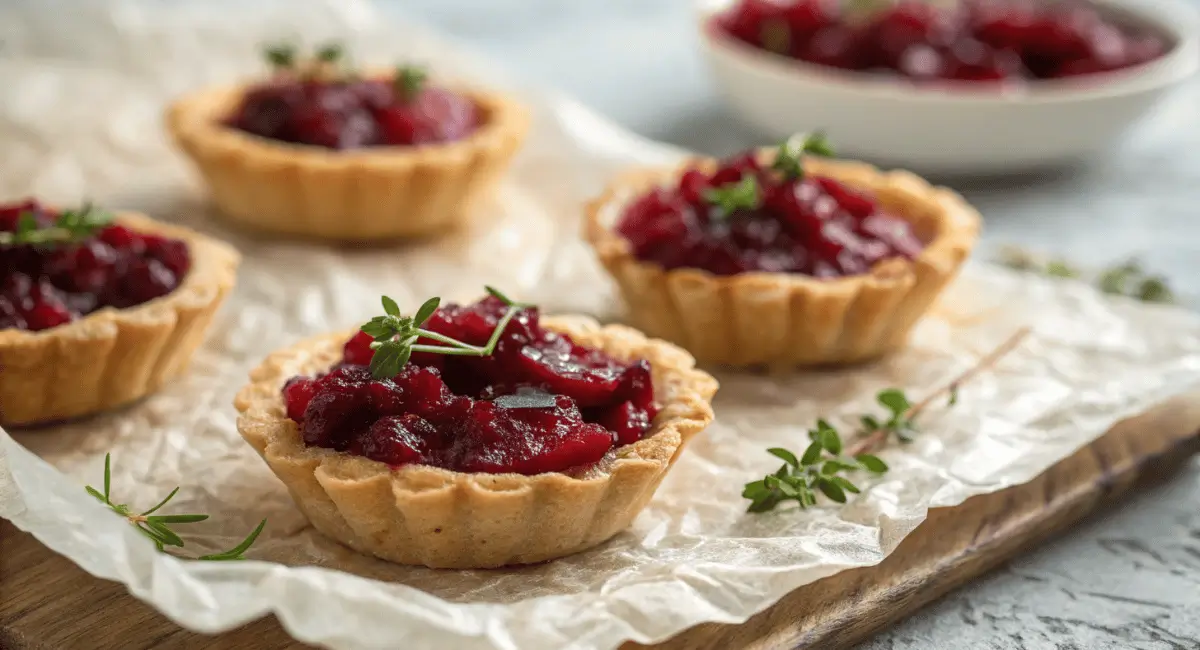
x=1127, y=278
x=745, y=194
x=72, y=226
x=820, y=467
x=789, y=159
x=158, y=527
x=396, y=336
x=409, y=81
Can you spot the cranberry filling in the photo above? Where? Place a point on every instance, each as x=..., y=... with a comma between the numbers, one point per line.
x=810, y=225
x=540, y=403
x=354, y=113
x=43, y=286
x=978, y=40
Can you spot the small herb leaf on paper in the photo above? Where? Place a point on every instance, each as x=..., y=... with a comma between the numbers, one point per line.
x=823, y=467
x=158, y=527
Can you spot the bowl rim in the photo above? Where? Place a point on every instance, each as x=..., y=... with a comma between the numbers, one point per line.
x=1175, y=18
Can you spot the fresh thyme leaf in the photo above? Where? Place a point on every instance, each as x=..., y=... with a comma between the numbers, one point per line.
x=330, y=53
x=71, y=226
x=835, y=465
x=107, y=477
x=92, y=491
x=729, y=198
x=426, y=310
x=163, y=502
x=870, y=423
x=166, y=535
x=831, y=441
x=1155, y=289
x=871, y=463
x=379, y=328
x=236, y=552
x=1061, y=269
x=811, y=454
x=845, y=484
x=389, y=306
x=789, y=158
x=280, y=55
x=953, y=398
x=389, y=358
x=831, y=490
x=409, y=81
x=786, y=455
x=177, y=519
x=894, y=400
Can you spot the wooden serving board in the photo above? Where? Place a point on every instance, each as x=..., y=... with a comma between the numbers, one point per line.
x=48, y=603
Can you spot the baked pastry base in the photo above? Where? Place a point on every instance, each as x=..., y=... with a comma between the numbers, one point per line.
x=363, y=194
x=788, y=320
x=114, y=356
x=439, y=518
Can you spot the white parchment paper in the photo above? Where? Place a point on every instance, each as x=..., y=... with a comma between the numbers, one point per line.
x=80, y=118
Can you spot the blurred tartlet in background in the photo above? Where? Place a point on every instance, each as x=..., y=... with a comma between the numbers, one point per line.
x=324, y=151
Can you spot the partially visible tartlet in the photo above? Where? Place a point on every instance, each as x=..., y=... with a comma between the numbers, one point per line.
x=546, y=445
x=321, y=152
x=95, y=314
x=770, y=258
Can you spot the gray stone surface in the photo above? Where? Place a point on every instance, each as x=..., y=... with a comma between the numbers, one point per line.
x=1129, y=579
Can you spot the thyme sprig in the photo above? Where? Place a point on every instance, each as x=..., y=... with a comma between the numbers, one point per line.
x=409, y=81
x=396, y=335
x=1126, y=278
x=789, y=159
x=822, y=465
x=158, y=527
x=72, y=226
x=744, y=194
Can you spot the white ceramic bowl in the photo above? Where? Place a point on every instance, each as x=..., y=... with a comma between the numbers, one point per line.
x=954, y=129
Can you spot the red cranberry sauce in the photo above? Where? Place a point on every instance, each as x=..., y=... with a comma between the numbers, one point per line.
x=812, y=225
x=976, y=40
x=47, y=285
x=540, y=403
x=354, y=113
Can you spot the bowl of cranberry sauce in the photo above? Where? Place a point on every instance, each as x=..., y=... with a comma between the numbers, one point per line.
x=975, y=86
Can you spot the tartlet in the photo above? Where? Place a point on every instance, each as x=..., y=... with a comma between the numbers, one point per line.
x=113, y=356
x=351, y=194
x=787, y=319
x=442, y=518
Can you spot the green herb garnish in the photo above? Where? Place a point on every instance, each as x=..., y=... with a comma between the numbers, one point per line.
x=742, y=195
x=822, y=465
x=789, y=159
x=158, y=527
x=409, y=81
x=72, y=226
x=281, y=56
x=396, y=335
x=330, y=53
x=1125, y=279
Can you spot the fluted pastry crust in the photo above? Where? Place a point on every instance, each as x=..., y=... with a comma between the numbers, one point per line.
x=358, y=195
x=418, y=514
x=781, y=319
x=114, y=356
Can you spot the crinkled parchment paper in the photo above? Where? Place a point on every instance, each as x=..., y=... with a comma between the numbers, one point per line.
x=79, y=117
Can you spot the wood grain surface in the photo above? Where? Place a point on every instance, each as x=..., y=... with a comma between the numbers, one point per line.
x=47, y=603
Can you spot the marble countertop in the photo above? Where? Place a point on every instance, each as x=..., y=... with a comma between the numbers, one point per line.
x=1127, y=579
